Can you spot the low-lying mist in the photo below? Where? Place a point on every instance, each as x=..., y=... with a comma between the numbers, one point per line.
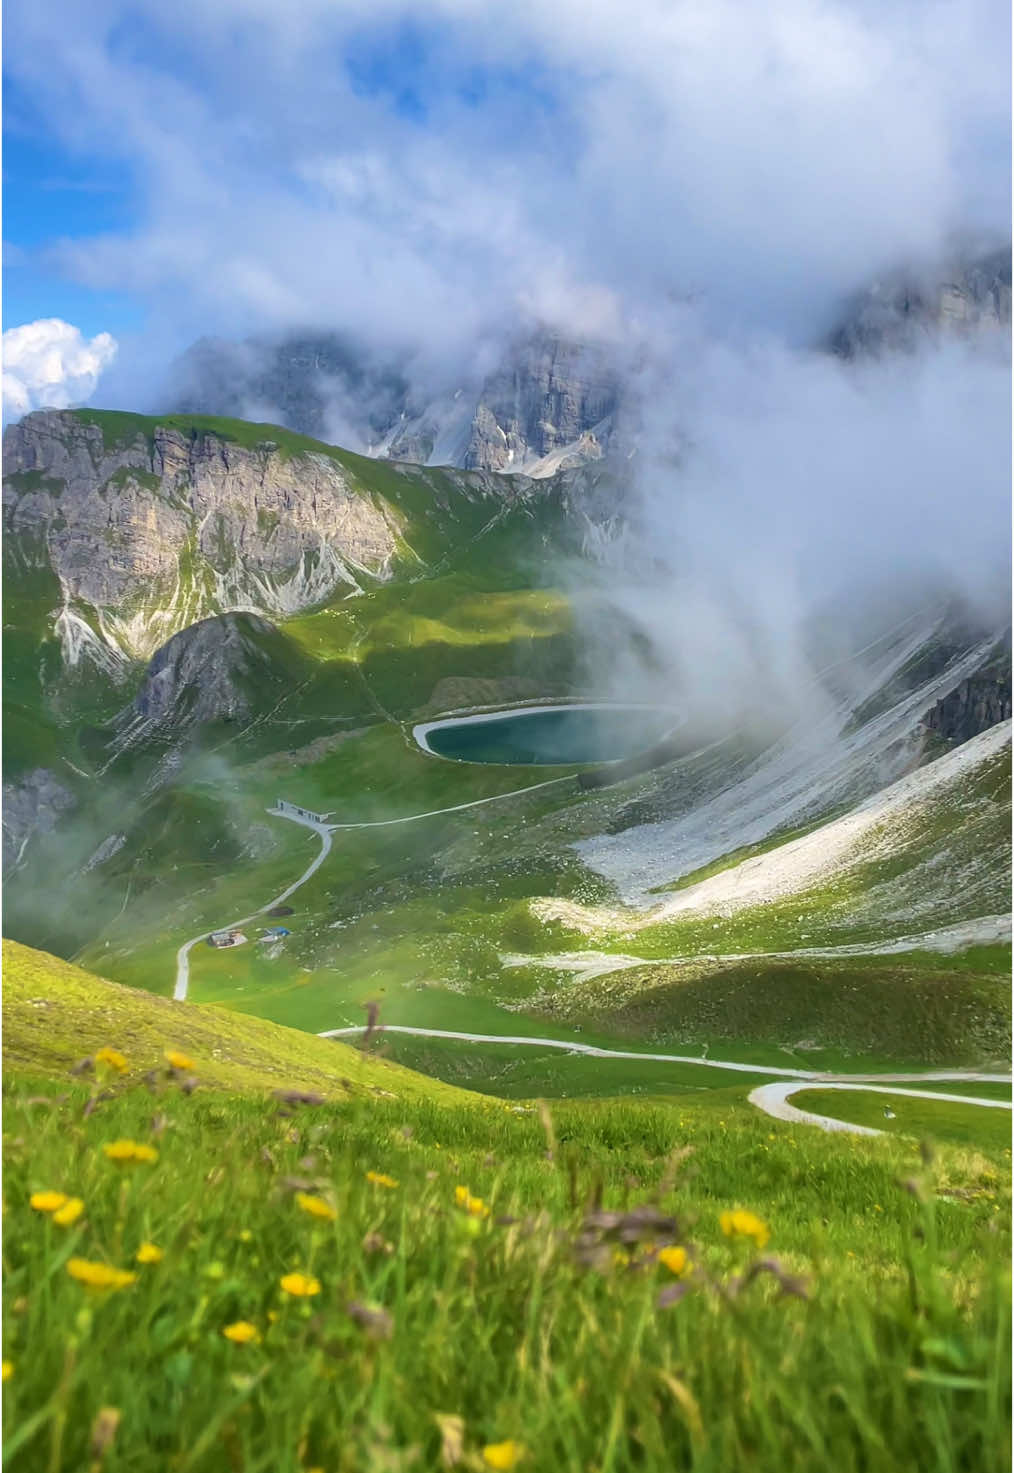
x=786, y=508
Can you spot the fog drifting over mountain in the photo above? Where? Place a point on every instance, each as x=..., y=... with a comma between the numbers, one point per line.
x=808, y=486
x=700, y=185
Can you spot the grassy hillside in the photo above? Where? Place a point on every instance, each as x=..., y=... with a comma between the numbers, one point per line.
x=406, y=1279
x=472, y=918
x=55, y=1014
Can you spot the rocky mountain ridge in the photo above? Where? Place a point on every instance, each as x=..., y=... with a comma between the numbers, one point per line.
x=551, y=402
x=149, y=527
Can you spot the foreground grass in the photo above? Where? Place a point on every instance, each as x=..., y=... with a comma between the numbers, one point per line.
x=871, y=1333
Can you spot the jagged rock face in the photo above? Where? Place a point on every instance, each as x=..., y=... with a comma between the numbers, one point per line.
x=320, y=384
x=155, y=533
x=206, y=672
x=549, y=405
x=972, y=707
x=549, y=396
x=909, y=309
x=32, y=805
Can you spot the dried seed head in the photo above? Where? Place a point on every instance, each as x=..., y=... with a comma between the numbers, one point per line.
x=297, y=1097
x=377, y=1323
x=104, y=1430
x=671, y=1294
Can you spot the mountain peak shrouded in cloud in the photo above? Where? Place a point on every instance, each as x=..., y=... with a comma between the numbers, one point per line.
x=50, y=364
x=401, y=195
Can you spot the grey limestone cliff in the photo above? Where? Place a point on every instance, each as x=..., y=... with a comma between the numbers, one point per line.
x=909, y=308
x=978, y=702
x=548, y=404
x=151, y=533
x=549, y=397
x=32, y=805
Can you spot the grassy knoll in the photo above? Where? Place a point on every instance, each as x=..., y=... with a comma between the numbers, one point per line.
x=989, y=1129
x=54, y=1014
x=533, y=1325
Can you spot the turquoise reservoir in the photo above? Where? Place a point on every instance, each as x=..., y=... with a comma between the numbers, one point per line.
x=547, y=736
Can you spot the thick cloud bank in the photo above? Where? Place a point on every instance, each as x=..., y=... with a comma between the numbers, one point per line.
x=424, y=176
x=49, y=364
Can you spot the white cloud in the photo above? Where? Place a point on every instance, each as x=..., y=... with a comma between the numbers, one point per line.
x=50, y=364
x=768, y=159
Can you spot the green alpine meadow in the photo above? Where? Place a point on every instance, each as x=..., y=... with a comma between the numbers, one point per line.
x=252, y=1249
x=506, y=738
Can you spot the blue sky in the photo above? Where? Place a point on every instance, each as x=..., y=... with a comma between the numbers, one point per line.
x=50, y=194
x=55, y=193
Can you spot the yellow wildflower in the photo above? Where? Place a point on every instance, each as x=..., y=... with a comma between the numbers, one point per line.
x=503, y=1455
x=474, y=1206
x=379, y=1179
x=113, y=1059
x=246, y=1236
x=126, y=1153
x=674, y=1259
x=177, y=1060
x=99, y=1275
x=743, y=1224
x=149, y=1253
x=316, y=1206
x=242, y=1332
x=47, y=1201
x=300, y=1285
x=69, y=1213
x=7, y=1370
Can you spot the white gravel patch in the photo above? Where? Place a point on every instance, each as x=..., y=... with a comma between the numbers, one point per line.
x=875, y=826
x=813, y=768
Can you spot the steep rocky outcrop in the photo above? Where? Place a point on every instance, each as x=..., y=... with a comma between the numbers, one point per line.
x=162, y=526
x=217, y=670
x=979, y=702
x=910, y=308
x=32, y=805
x=549, y=397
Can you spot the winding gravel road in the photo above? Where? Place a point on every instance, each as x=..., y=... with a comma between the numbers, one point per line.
x=771, y=1098
x=183, y=955
x=325, y=830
